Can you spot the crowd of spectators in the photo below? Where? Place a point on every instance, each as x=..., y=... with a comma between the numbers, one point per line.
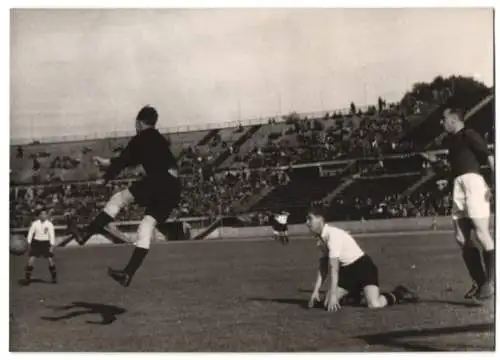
x=368, y=134
x=209, y=196
x=419, y=204
x=428, y=203
x=373, y=132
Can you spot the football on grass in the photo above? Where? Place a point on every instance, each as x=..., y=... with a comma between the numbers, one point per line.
x=18, y=245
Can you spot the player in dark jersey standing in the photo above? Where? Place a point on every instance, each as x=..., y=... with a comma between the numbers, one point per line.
x=158, y=192
x=467, y=151
x=280, y=227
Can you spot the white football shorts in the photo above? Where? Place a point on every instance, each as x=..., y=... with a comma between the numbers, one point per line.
x=470, y=197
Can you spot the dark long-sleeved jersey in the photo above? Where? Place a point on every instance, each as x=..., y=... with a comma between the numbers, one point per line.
x=467, y=152
x=151, y=150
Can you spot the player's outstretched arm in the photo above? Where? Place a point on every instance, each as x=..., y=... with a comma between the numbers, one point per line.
x=317, y=286
x=331, y=300
x=128, y=157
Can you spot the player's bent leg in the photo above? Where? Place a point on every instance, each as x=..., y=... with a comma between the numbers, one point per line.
x=484, y=238
x=470, y=253
x=374, y=300
x=377, y=300
x=117, y=202
x=116, y=236
x=462, y=228
x=31, y=260
x=483, y=234
x=478, y=210
x=52, y=269
x=143, y=243
x=283, y=238
x=28, y=270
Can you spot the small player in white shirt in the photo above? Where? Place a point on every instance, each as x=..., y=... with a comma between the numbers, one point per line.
x=350, y=269
x=41, y=240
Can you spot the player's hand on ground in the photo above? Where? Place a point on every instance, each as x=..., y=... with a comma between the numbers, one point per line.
x=331, y=302
x=313, y=300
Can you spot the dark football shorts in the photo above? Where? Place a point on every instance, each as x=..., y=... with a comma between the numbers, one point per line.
x=279, y=227
x=354, y=277
x=40, y=249
x=158, y=197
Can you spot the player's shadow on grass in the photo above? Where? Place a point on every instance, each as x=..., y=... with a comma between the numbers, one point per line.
x=299, y=302
x=398, y=339
x=108, y=313
x=23, y=282
x=464, y=303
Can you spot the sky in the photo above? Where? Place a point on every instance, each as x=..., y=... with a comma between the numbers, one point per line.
x=87, y=72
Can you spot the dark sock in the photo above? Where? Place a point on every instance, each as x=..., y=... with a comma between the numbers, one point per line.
x=53, y=271
x=489, y=263
x=472, y=259
x=27, y=272
x=391, y=298
x=97, y=225
x=136, y=260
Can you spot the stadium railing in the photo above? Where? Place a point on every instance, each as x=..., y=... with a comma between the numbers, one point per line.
x=181, y=128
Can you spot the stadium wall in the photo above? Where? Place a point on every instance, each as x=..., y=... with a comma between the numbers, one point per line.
x=354, y=227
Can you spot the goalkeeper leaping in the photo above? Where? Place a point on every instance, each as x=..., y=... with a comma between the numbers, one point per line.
x=158, y=192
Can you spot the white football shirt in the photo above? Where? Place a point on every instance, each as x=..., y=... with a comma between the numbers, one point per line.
x=42, y=231
x=337, y=243
x=281, y=219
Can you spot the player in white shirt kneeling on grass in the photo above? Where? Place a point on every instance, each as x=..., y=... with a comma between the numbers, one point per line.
x=351, y=271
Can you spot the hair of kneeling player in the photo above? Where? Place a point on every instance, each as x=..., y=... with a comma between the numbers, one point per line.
x=317, y=210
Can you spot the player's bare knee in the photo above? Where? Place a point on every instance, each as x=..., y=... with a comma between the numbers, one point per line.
x=145, y=232
x=373, y=302
x=483, y=235
x=372, y=297
x=373, y=305
x=117, y=202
